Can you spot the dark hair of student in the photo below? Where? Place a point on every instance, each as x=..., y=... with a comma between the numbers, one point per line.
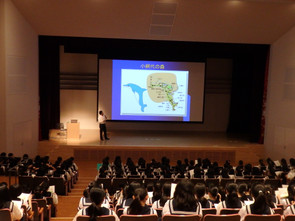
x=4, y=196
x=242, y=189
x=166, y=190
x=38, y=192
x=184, y=196
x=260, y=204
x=291, y=191
x=129, y=189
x=97, y=196
x=213, y=190
x=200, y=190
x=232, y=199
x=15, y=190
x=86, y=193
x=270, y=196
x=150, y=187
x=135, y=207
x=157, y=193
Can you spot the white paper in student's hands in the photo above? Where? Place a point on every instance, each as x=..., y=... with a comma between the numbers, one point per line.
x=173, y=186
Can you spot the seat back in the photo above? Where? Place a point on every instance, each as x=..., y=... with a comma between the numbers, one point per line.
x=278, y=211
x=252, y=217
x=139, y=217
x=225, y=181
x=5, y=215
x=212, y=181
x=209, y=211
x=99, y=218
x=232, y=217
x=49, y=201
x=182, y=218
x=38, y=213
x=120, y=212
x=227, y=211
x=159, y=212
x=61, y=186
x=42, y=203
x=290, y=218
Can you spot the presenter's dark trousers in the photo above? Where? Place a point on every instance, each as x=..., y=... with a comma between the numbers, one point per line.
x=103, y=129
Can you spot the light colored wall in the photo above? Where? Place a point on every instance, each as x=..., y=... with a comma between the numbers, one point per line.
x=78, y=104
x=280, y=120
x=21, y=80
x=2, y=80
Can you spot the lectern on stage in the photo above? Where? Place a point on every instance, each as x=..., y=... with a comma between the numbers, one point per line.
x=73, y=130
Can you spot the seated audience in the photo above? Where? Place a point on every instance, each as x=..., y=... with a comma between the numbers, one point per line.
x=97, y=196
x=243, y=192
x=260, y=205
x=138, y=205
x=166, y=189
x=6, y=203
x=232, y=200
x=200, y=191
x=213, y=194
x=184, y=201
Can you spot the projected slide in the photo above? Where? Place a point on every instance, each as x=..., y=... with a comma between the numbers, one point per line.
x=136, y=90
x=154, y=93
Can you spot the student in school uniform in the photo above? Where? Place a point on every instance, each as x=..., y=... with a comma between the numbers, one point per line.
x=184, y=201
x=260, y=205
x=138, y=205
x=166, y=190
x=200, y=191
x=97, y=196
x=232, y=200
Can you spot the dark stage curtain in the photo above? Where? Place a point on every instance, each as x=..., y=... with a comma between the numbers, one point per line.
x=247, y=94
x=48, y=85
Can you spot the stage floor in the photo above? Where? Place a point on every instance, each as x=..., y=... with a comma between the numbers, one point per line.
x=156, y=139
x=175, y=145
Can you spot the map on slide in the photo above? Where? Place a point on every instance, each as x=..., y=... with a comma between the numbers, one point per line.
x=161, y=87
x=158, y=94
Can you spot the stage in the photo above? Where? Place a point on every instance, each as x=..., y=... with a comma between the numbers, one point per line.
x=174, y=145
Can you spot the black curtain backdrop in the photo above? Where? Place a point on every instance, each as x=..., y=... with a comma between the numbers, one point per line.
x=248, y=72
x=49, y=85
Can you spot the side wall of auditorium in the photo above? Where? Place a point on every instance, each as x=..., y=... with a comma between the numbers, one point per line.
x=18, y=82
x=280, y=114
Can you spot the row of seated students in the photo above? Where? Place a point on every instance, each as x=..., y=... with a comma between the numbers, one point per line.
x=17, y=197
x=39, y=166
x=187, y=199
x=195, y=169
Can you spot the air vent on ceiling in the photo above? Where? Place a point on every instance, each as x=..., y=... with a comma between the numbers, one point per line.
x=163, y=16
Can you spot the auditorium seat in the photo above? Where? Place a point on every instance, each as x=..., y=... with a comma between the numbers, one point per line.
x=278, y=211
x=274, y=183
x=233, y=217
x=107, y=182
x=61, y=186
x=49, y=201
x=290, y=218
x=5, y=215
x=99, y=218
x=116, y=183
x=181, y=218
x=209, y=211
x=226, y=211
x=252, y=217
x=139, y=218
x=159, y=212
x=212, y=181
x=38, y=212
x=225, y=181
x=46, y=208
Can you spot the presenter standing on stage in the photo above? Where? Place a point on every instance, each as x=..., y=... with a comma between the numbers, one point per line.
x=102, y=118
